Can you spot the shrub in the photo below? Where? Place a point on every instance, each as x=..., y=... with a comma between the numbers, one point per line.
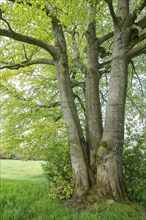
x=134, y=164
x=58, y=171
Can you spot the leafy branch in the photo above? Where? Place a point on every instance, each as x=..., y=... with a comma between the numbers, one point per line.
x=26, y=39
x=14, y=93
x=30, y=40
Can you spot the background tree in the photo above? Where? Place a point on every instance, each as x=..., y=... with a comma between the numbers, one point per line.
x=80, y=59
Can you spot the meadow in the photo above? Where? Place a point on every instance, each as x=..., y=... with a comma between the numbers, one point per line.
x=24, y=196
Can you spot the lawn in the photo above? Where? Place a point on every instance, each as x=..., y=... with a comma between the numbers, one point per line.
x=27, y=199
x=18, y=169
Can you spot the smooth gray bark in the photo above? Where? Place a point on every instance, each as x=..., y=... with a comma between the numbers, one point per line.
x=76, y=141
x=109, y=155
x=93, y=107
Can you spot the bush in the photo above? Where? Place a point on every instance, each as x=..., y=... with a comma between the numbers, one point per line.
x=58, y=171
x=134, y=164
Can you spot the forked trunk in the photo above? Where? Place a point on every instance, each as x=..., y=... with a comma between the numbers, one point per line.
x=109, y=181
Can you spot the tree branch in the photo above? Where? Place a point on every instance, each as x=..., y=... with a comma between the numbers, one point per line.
x=78, y=84
x=80, y=101
x=30, y=40
x=80, y=66
x=136, y=51
x=135, y=106
x=12, y=91
x=137, y=40
x=111, y=9
x=142, y=23
x=76, y=60
x=105, y=37
x=51, y=105
x=134, y=70
x=26, y=63
x=102, y=96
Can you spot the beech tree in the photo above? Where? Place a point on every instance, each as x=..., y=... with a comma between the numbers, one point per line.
x=82, y=40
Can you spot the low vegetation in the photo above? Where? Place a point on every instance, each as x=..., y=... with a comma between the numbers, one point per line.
x=58, y=170
x=28, y=199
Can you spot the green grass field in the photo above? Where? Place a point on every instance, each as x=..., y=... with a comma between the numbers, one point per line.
x=17, y=169
x=24, y=196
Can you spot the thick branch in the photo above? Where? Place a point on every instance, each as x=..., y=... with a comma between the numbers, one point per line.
x=105, y=37
x=80, y=101
x=137, y=40
x=30, y=40
x=142, y=23
x=136, y=51
x=111, y=9
x=80, y=66
x=26, y=63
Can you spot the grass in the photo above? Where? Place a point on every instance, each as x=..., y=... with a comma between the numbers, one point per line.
x=26, y=199
x=17, y=169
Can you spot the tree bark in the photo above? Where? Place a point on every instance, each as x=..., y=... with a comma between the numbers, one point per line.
x=93, y=107
x=76, y=141
x=109, y=155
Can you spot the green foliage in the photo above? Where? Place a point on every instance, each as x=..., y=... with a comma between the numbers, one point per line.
x=135, y=168
x=58, y=170
x=29, y=123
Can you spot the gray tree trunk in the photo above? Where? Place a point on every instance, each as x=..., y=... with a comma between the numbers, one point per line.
x=93, y=107
x=109, y=155
x=76, y=141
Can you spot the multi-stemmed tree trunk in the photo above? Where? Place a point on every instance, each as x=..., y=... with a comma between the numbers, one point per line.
x=97, y=158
